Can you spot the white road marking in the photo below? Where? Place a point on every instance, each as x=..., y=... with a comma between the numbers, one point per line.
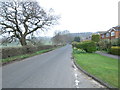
x=75, y=69
x=76, y=75
x=76, y=82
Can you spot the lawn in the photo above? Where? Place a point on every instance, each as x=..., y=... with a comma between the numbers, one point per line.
x=102, y=67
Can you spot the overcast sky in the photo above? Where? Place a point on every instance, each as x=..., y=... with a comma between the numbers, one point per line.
x=83, y=15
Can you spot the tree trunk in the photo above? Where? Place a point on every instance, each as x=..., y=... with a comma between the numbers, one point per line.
x=23, y=41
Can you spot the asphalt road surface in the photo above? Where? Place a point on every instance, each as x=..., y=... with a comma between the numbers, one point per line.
x=49, y=70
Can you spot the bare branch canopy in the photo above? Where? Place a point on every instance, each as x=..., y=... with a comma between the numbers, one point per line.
x=23, y=18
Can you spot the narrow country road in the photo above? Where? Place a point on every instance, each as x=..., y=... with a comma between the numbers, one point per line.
x=49, y=70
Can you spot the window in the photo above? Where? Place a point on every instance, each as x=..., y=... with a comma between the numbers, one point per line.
x=103, y=36
x=113, y=33
x=107, y=34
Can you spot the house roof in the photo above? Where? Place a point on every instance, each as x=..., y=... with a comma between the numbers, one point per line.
x=117, y=28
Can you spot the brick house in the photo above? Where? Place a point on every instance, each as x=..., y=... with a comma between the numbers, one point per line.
x=112, y=33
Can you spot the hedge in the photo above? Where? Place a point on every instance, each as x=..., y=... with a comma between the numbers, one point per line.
x=88, y=46
x=115, y=50
x=15, y=51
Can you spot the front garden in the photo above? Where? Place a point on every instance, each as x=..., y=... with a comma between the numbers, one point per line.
x=102, y=67
x=109, y=46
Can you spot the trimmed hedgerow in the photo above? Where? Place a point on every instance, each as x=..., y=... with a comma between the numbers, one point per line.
x=88, y=46
x=15, y=51
x=115, y=50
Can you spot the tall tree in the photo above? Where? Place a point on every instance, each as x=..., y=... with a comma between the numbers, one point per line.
x=20, y=19
x=96, y=38
x=77, y=39
x=62, y=37
x=57, y=38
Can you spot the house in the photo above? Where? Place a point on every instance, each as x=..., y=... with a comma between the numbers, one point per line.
x=83, y=35
x=112, y=33
x=87, y=38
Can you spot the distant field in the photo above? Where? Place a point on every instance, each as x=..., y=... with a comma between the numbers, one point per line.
x=102, y=67
x=10, y=45
x=18, y=45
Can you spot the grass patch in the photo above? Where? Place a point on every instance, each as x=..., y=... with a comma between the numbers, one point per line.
x=11, y=59
x=102, y=67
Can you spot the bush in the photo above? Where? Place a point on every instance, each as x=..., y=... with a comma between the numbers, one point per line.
x=88, y=46
x=115, y=42
x=74, y=44
x=115, y=50
x=104, y=45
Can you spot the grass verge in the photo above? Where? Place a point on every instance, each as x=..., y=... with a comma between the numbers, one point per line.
x=16, y=58
x=102, y=67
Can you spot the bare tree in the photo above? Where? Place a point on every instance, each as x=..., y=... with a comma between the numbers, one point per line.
x=4, y=41
x=20, y=19
x=62, y=37
x=57, y=38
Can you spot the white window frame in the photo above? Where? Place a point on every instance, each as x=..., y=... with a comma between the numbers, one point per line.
x=113, y=33
x=107, y=34
x=103, y=35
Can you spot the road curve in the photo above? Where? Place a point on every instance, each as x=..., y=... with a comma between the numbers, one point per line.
x=53, y=69
x=49, y=70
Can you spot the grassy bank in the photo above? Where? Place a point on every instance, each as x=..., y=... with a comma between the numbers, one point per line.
x=15, y=58
x=102, y=67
